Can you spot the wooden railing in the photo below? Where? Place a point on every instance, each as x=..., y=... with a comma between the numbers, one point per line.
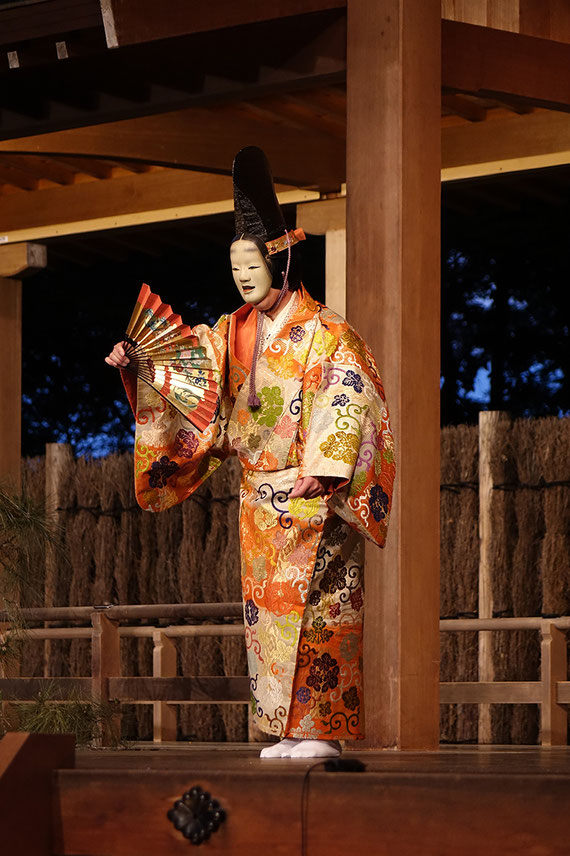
x=164, y=689
x=551, y=692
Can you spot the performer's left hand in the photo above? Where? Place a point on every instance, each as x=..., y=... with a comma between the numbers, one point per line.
x=310, y=486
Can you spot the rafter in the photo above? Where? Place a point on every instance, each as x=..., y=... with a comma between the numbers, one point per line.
x=201, y=139
x=17, y=177
x=88, y=166
x=39, y=168
x=462, y=106
x=512, y=144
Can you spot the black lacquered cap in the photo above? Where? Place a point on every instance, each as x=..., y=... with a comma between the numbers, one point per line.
x=255, y=204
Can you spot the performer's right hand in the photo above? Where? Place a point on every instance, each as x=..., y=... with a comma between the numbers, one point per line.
x=118, y=357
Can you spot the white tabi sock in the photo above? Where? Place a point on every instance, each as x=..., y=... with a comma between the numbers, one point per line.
x=316, y=749
x=283, y=749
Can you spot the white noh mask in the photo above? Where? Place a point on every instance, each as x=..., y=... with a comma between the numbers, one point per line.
x=250, y=272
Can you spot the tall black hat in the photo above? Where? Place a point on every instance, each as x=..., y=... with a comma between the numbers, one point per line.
x=257, y=212
x=256, y=207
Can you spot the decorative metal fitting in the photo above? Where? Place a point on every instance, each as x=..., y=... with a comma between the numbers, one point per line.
x=196, y=815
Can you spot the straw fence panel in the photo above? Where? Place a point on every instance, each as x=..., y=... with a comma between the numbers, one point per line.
x=114, y=552
x=459, y=572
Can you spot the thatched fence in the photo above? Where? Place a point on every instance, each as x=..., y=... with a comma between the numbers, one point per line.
x=520, y=567
x=119, y=554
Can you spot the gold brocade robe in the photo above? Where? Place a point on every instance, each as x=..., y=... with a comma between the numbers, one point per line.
x=322, y=413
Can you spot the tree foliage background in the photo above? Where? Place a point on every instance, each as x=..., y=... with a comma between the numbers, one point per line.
x=505, y=337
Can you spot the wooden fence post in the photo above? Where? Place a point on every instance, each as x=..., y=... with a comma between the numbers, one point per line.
x=58, y=458
x=105, y=664
x=553, y=716
x=488, y=421
x=163, y=666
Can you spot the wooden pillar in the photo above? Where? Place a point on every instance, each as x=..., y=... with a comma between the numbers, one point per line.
x=15, y=260
x=393, y=301
x=11, y=382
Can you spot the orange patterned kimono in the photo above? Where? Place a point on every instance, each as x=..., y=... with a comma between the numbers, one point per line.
x=322, y=413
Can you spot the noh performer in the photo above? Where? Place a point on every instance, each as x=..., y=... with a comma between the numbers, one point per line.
x=303, y=408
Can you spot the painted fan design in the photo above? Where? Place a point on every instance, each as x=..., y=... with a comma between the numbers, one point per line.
x=165, y=354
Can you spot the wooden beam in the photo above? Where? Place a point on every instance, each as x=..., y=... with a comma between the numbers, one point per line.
x=151, y=197
x=17, y=177
x=487, y=692
x=318, y=218
x=129, y=22
x=181, y=690
x=543, y=18
x=88, y=166
x=39, y=169
x=512, y=144
x=20, y=259
x=461, y=106
x=48, y=19
x=493, y=63
x=204, y=140
x=393, y=299
x=27, y=689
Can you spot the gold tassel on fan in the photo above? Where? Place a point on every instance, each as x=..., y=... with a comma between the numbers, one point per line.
x=164, y=353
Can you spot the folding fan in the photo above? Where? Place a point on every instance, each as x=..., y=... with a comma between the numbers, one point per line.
x=164, y=353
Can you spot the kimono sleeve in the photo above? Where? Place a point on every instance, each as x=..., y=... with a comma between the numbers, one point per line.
x=171, y=457
x=349, y=436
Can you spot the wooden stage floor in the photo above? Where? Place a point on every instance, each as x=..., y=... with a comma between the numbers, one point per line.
x=503, y=800
x=465, y=759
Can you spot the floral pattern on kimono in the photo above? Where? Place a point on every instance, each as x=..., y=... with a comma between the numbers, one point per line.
x=322, y=413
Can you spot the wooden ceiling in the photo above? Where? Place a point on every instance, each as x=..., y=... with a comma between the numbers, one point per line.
x=321, y=110
x=58, y=72
x=86, y=131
